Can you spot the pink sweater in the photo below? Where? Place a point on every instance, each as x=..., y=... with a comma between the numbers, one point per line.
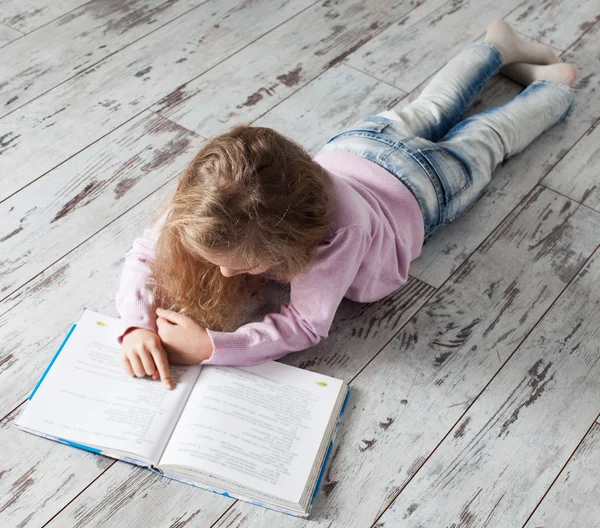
x=375, y=232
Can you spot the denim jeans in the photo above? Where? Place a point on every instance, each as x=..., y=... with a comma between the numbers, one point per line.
x=445, y=162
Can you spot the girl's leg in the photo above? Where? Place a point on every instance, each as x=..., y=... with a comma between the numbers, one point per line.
x=478, y=144
x=450, y=92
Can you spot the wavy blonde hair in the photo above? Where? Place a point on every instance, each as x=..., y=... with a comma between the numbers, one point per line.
x=250, y=194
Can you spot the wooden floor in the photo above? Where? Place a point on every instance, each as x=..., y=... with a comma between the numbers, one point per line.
x=476, y=386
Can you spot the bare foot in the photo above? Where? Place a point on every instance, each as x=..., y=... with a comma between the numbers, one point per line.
x=515, y=49
x=526, y=74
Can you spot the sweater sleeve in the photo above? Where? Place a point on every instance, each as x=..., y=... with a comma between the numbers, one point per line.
x=307, y=318
x=134, y=300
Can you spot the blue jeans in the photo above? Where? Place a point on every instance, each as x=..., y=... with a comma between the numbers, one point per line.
x=445, y=162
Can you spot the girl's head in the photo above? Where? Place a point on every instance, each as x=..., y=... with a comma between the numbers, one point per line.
x=250, y=201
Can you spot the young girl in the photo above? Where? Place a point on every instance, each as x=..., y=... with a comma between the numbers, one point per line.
x=344, y=224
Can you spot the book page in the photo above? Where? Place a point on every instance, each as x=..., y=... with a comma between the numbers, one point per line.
x=259, y=427
x=87, y=398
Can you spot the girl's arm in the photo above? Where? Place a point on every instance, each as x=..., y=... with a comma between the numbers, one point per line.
x=135, y=301
x=307, y=318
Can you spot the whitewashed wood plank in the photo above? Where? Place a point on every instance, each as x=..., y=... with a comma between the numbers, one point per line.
x=63, y=121
x=7, y=35
x=573, y=498
x=506, y=451
x=445, y=251
x=100, y=29
x=556, y=22
x=576, y=175
x=409, y=51
x=27, y=15
x=406, y=400
x=59, y=211
x=137, y=497
x=39, y=477
x=335, y=99
x=263, y=74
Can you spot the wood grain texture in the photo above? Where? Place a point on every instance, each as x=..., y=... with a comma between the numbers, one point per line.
x=573, y=498
x=406, y=400
x=277, y=65
x=448, y=249
x=506, y=451
x=100, y=29
x=71, y=203
x=7, y=35
x=335, y=99
x=131, y=496
x=60, y=123
x=29, y=464
x=555, y=22
x=400, y=56
x=27, y=15
x=576, y=175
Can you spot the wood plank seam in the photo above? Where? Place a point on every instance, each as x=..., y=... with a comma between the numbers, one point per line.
x=166, y=182
x=142, y=110
x=325, y=70
x=92, y=65
x=573, y=199
x=561, y=470
x=585, y=263
x=49, y=21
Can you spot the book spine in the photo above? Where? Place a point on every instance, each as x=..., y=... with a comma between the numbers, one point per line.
x=329, y=450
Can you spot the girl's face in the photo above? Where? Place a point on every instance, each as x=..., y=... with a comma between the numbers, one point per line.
x=231, y=266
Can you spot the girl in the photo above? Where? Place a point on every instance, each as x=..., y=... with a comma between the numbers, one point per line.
x=344, y=224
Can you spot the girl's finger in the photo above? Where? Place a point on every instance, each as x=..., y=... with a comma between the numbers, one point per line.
x=126, y=366
x=147, y=362
x=136, y=364
x=172, y=317
x=162, y=364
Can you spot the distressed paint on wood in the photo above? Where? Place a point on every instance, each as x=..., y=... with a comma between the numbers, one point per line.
x=130, y=496
x=446, y=250
x=573, y=498
x=71, y=203
x=278, y=64
x=409, y=51
x=7, y=35
x=335, y=99
x=555, y=22
x=506, y=451
x=60, y=123
x=100, y=29
x=29, y=464
x=576, y=175
x=27, y=15
x=407, y=399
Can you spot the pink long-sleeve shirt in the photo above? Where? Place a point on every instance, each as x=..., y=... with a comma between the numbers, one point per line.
x=376, y=230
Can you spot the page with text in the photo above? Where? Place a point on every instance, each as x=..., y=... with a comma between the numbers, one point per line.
x=259, y=427
x=87, y=398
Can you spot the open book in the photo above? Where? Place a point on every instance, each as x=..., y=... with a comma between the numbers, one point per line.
x=262, y=434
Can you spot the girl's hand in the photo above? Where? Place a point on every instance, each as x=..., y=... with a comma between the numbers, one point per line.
x=142, y=354
x=186, y=342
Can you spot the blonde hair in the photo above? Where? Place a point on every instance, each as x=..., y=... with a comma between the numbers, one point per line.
x=250, y=194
